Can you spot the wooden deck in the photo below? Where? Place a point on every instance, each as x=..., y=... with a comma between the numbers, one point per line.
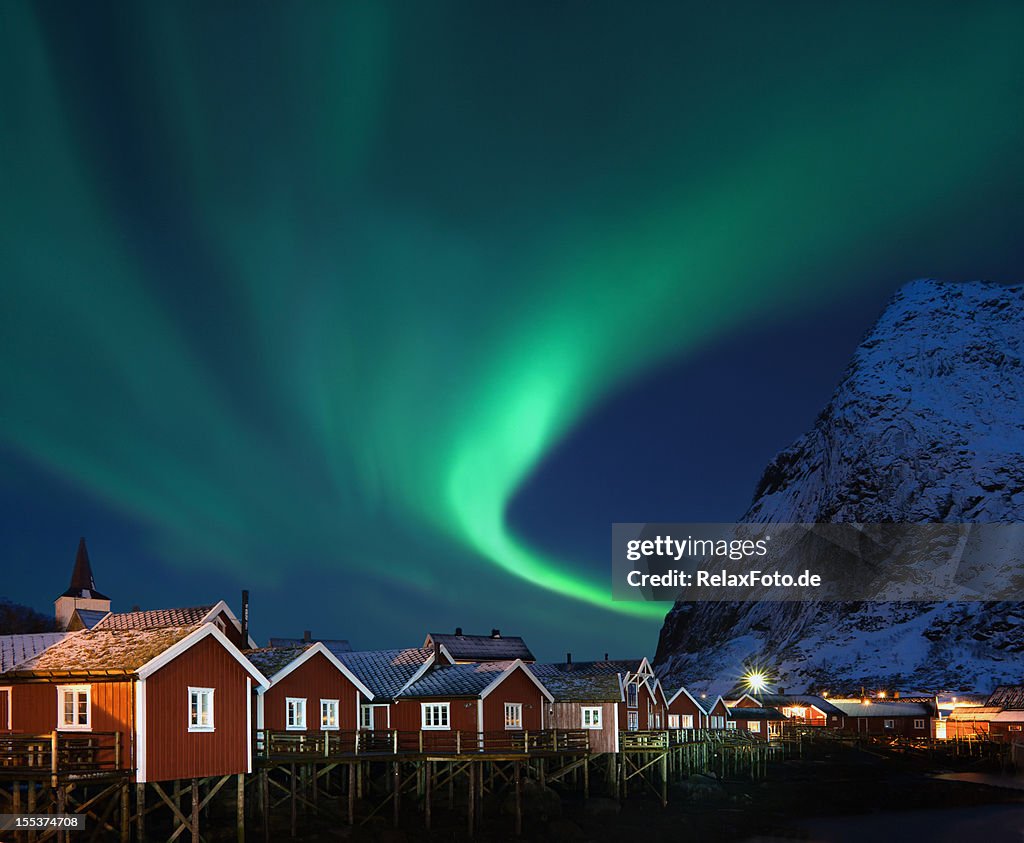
x=61, y=755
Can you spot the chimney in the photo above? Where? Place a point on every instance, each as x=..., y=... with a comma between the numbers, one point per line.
x=307, y=636
x=568, y=658
x=458, y=631
x=495, y=633
x=782, y=691
x=245, y=618
x=895, y=695
x=606, y=657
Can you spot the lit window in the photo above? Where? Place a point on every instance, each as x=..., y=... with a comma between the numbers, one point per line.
x=200, y=709
x=328, y=714
x=513, y=715
x=753, y=726
x=366, y=717
x=685, y=721
x=631, y=695
x=74, y=708
x=919, y=724
x=717, y=721
x=434, y=715
x=632, y=721
x=888, y=724
x=591, y=716
x=1014, y=728
x=295, y=718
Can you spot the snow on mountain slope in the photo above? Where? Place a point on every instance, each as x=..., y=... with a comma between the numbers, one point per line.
x=927, y=425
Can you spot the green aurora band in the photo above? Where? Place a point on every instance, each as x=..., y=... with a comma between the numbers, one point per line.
x=340, y=267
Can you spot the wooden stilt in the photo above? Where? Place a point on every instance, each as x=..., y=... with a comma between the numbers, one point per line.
x=427, y=782
x=140, y=811
x=265, y=803
x=471, y=800
x=126, y=812
x=240, y=808
x=195, y=810
x=294, y=805
x=396, y=789
x=352, y=793
x=519, y=798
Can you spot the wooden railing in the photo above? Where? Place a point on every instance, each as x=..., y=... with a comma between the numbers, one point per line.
x=334, y=744
x=643, y=740
x=61, y=753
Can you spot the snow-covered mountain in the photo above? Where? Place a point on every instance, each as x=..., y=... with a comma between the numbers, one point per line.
x=927, y=425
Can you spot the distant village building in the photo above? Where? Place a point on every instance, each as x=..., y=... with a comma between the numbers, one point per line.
x=81, y=605
x=481, y=648
x=1008, y=724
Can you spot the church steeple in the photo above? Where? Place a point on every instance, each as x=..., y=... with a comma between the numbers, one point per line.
x=81, y=594
x=83, y=585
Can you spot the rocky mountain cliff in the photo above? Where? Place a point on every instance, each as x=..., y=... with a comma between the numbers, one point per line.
x=927, y=425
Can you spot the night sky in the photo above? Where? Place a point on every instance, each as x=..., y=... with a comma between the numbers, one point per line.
x=387, y=312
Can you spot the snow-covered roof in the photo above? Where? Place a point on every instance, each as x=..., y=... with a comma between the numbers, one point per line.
x=15, y=649
x=269, y=660
x=456, y=680
x=882, y=709
x=481, y=648
x=98, y=651
x=190, y=616
x=385, y=672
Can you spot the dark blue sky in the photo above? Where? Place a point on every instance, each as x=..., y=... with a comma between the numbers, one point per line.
x=386, y=313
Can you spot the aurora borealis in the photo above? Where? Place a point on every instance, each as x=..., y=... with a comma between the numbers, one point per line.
x=302, y=297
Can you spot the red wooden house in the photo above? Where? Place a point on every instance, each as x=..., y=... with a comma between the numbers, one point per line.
x=683, y=710
x=896, y=718
x=1008, y=724
x=748, y=715
x=386, y=673
x=484, y=697
x=804, y=709
x=309, y=690
x=718, y=715
x=178, y=698
x=586, y=695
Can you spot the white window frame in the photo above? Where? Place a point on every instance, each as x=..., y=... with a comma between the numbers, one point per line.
x=753, y=725
x=673, y=721
x=731, y=724
x=366, y=717
x=513, y=716
x=888, y=724
x=685, y=721
x=62, y=725
x=293, y=708
x=633, y=721
x=591, y=717
x=194, y=724
x=632, y=695
x=717, y=721
x=919, y=723
x=431, y=717
x=329, y=706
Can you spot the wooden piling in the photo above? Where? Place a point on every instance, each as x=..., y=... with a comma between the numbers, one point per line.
x=195, y=810
x=240, y=808
x=519, y=798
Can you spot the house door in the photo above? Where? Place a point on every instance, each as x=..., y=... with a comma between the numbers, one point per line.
x=5, y=709
x=862, y=724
